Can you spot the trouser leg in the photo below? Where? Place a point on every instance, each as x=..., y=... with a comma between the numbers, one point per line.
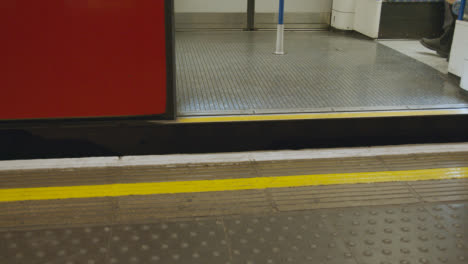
x=449, y=28
x=443, y=44
x=449, y=18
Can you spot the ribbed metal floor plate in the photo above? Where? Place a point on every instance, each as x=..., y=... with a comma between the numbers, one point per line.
x=237, y=73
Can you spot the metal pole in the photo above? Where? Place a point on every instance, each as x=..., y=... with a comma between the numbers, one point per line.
x=251, y=15
x=280, y=33
x=461, y=14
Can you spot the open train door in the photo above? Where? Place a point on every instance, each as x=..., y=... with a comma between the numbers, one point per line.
x=65, y=59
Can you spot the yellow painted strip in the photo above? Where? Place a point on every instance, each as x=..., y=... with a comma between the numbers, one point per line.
x=112, y=190
x=279, y=117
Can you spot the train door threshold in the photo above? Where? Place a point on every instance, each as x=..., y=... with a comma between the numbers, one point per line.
x=235, y=76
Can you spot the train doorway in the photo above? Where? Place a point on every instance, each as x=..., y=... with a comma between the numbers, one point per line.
x=232, y=71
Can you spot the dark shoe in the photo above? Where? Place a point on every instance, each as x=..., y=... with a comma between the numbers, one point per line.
x=443, y=44
x=432, y=44
x=443, y=54
x=437, y=45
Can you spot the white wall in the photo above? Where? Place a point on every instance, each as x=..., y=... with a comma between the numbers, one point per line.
x=459, y=52
x=343, y=14
x=348, y=6
x=367, y=17
x=211, y=6
x=262, y=6
x=298, y=6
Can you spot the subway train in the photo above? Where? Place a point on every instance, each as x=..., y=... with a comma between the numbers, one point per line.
x=306, y=112
x=213, y=61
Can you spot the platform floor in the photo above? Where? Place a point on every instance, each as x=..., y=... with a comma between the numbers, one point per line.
x=415, y=50
x=420, y=233
x=409, y=208
x=236, y=73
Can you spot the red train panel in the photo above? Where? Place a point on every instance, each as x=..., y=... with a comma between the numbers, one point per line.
x=82, y=58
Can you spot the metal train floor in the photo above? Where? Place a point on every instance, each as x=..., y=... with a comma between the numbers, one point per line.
x=398, y=216
x=236, y=73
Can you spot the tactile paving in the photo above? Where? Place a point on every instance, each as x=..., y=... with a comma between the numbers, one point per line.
x=285, y=238
x=237, y=73
x=454, y=217
x=409, y=234
x=88, y=245
x=396, y=234
x=179, y=242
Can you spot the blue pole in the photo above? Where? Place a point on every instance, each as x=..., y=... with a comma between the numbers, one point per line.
x=280, y=34
x=281, y=12
x=461, y=14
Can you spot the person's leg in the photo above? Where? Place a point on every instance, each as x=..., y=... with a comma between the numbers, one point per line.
x=449, y=18
x=449, y=30
x=443, y=44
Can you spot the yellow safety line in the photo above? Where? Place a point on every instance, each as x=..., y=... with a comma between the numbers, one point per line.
x=112, y=190
x=279, y=117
